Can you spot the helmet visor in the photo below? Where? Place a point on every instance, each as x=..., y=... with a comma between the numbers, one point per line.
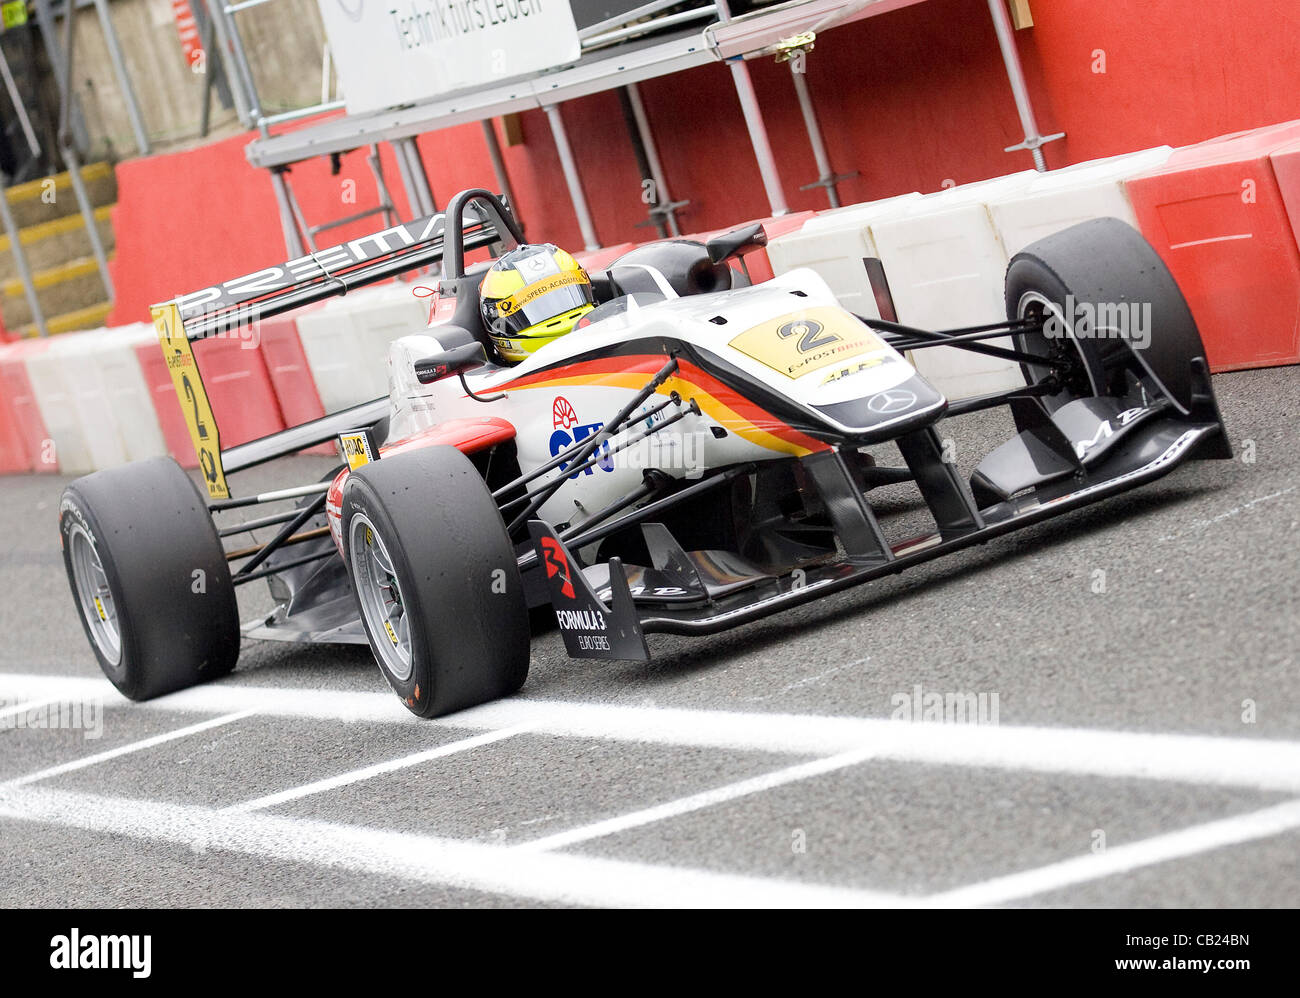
x=544, y=299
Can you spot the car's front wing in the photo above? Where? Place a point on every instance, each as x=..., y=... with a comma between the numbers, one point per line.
x=614, y=627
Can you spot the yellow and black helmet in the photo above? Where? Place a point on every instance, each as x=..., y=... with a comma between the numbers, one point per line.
x=531, y=296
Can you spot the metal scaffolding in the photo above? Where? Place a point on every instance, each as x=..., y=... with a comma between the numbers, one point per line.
x=71, y=138
x=617, y=54
x=656, y=39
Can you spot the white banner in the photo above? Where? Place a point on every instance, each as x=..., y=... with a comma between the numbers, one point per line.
x=390, y=52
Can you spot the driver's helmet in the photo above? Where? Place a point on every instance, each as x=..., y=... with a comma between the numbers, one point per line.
x=531, y=296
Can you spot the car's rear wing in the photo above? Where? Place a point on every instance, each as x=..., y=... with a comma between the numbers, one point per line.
x=225, y=308
x=324, y=273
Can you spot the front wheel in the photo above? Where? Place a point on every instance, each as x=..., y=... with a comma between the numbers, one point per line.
x=1103, y=300
x=436, y=580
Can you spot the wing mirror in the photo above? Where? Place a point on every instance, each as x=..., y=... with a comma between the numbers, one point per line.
x=736, y=242
x=457, y=360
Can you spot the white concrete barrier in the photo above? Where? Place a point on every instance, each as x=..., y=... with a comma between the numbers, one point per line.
x=126, y=391
x=391, y=312
x=56, y=387
x=337, y=360
x=94, y=400
x=1061, y=198
x=834, y=244
x=945, y=254
x=346, y=341
x=945, y=264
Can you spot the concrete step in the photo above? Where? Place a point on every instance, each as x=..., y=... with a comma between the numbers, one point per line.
x=50, y=243
x=89, y=317
x=63, y=289
x=48, y=198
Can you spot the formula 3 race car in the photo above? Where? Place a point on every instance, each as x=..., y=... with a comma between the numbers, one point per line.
x=692, y=457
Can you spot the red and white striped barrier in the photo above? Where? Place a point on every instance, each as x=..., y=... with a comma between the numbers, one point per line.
x=25, y=441
x=1060, y=198
x=238, y=386
x=1223, y=214
x=1217, y=216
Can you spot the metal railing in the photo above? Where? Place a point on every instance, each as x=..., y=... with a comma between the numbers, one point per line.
x=70, y=135
x=299, y=236
x=11, y=229
x=68, y=151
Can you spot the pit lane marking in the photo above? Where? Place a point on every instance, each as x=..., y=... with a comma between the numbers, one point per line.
x=410, y=857
x=378, y=769
x=636, y=884
x=577, y=879
x=1265, y=764
x=1265, y=823
x=23, y=708
x=115, y=753
x=1234, y=511
x=696, y=802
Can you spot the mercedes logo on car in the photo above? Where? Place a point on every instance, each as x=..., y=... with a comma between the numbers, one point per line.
x=891, y=401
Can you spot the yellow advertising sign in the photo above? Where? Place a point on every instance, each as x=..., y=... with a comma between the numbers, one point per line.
x=802, y=342
x=357, y=448
x=192, y=397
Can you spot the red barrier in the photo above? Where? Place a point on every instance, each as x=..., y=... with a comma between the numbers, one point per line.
x=13, y=454
x=286, y=365
x=239, y=388
x=163, y=396
x=1216, y=215
x=1286, y=169
x=13, y=449
x=24, y=440
x=760, y=268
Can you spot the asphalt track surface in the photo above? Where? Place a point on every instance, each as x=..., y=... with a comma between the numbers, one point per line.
x=1146, y=750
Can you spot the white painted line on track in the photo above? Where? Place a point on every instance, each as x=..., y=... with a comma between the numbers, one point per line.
x=378, y=769
x=555, y=877
x=23, y=708
x=576, y=879
x=696, y=802
x=1202, y=759
x=1234, y=511
x=1124, y=858
x=121, y=750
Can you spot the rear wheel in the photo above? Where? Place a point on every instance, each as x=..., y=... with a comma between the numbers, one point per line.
x=436, y=580
x=1107, y=300
x=149, y=578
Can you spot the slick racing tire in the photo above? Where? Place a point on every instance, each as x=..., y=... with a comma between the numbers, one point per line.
x=436, y=581
x=1102, y=268
x=149, y=578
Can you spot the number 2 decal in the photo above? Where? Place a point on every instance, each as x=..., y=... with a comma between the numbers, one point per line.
x=812, y=334
x=192, y=399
